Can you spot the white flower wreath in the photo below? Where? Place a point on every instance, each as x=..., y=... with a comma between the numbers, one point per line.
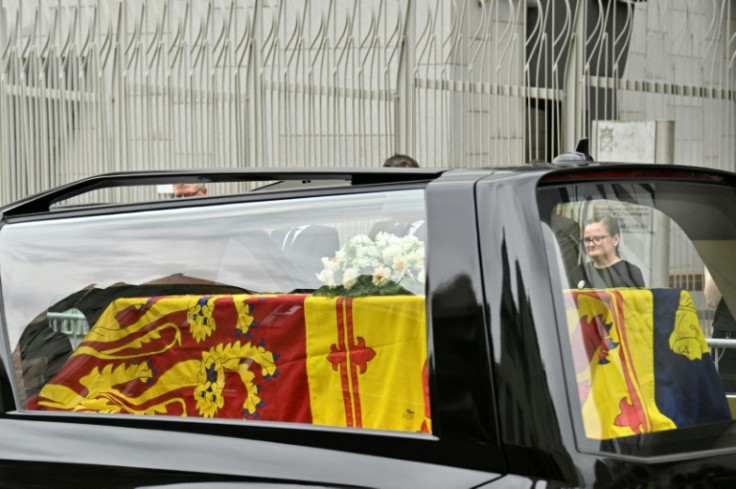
x=388, y=265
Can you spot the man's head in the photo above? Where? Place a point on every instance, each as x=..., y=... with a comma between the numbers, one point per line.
x=401, y=161
x=189, y=190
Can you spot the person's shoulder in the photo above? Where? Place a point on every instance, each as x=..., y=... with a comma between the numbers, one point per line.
x=576, y=277
x=634, y=272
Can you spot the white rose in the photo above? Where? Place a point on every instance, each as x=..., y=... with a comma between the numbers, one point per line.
x=367, y=259
x=416, y=258
x=333, y=264
x=361, y=240
x=390, y=253
x=350, y=277
x=400, y=266
x=327, y=277
x=383, y=237
x=381, y=276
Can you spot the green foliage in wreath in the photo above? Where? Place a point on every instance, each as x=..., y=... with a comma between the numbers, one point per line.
x=363, y=286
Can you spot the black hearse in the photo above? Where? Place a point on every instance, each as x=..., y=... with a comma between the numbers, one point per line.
x=551, y=324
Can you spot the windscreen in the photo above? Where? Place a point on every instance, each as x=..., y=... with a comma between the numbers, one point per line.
x=646, y=282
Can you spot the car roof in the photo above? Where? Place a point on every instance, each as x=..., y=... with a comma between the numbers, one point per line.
x=290, y=179
x=274, y=179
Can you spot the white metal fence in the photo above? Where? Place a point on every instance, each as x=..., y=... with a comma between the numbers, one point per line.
x=88, y=87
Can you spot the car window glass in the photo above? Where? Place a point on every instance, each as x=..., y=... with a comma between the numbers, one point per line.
x=306, y=310
x=643, y=355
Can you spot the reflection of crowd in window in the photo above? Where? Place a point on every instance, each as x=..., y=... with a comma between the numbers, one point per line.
x=724, y=327
x=606, y=268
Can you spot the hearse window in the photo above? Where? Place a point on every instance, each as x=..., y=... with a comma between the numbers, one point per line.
x=641, y=356
x=307, y=310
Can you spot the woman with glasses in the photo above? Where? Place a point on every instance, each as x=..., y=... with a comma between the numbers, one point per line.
x=606, y=268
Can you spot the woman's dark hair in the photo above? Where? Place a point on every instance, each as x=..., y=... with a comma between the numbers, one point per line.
x=611, y=225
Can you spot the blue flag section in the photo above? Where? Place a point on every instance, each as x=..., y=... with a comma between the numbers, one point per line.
x=687, y=387
x=642, y=363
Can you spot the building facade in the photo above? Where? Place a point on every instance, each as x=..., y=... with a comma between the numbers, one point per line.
x=98, y=86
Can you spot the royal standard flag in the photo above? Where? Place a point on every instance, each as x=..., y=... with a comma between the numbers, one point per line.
x=346, y=362
x=641, y=361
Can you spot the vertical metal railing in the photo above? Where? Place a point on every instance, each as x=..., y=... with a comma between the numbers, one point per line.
x=141, y=84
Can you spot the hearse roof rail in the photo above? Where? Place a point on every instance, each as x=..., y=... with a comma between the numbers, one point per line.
x=43, y=201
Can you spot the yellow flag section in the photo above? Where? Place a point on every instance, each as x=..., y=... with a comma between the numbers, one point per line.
x=367, y=362
x=641, y=361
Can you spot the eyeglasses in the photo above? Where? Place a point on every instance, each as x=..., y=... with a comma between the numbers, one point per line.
x=595, y=239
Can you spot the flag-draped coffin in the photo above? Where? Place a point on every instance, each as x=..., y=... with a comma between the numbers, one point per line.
x=357, y=362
